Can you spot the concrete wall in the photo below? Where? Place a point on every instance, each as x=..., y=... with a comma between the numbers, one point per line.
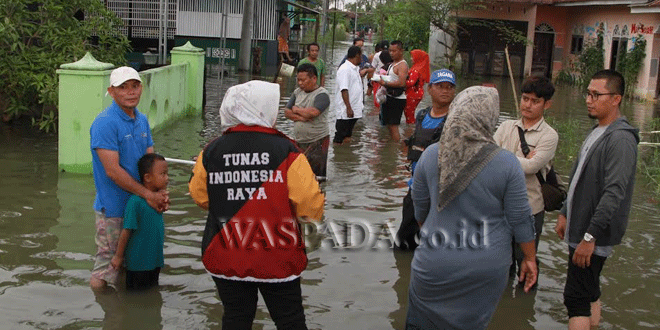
x=618, y=22
x=511, y=12
x=556, y=17
x=163, y=94
x=168, y=93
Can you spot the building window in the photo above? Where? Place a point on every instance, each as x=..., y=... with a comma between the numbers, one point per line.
x=576, y=44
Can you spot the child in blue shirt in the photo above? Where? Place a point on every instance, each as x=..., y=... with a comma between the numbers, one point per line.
x=140, y=246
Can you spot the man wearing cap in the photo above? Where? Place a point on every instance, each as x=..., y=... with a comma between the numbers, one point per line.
x=541, y=139
x=120, y=135
x=428, y=127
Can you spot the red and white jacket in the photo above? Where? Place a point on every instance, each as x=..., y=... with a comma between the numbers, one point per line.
x=256, y=184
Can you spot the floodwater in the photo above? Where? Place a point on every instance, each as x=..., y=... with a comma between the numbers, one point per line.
x=47, y=237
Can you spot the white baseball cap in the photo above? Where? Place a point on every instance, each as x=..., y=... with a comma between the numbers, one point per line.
x=122, y=74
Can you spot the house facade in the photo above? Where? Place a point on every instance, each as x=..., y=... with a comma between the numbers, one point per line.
x=558, y=31
x=213, y=25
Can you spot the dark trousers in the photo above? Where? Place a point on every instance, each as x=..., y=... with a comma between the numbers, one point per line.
x=239, y=299
x=142, y=280
x=582, y=285
x=517, y=251
x=409, y=229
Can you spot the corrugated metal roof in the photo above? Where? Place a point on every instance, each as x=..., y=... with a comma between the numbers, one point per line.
x=655, y=3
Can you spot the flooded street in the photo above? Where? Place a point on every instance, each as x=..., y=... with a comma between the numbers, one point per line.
x=47, y=235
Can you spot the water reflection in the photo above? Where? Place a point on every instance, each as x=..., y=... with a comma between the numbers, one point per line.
x=131, y=310
x=47, y=230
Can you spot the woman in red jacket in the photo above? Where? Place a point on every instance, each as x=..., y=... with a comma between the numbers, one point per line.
x=418, y=75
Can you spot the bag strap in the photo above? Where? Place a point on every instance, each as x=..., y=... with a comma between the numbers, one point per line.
x=525, y=150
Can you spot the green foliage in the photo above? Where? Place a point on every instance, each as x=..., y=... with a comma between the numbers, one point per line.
x=47, y=122
x=591, y=60
x=630, y=63
x=339, y=34
x=565, y=77
x=649, y=159
x=401, y=24
x=571, y=136
x=39, y=36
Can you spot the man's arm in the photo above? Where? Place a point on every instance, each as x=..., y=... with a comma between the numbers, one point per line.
x=306, y=114
x=365, y=71
x=401, y=71
x=110, y=160
x=322, y=80
x=288, y=109
x=321, y=103
x=542, y=154
x=498, y=134
x=347, y=102
x=292, y=115
x=619, y=169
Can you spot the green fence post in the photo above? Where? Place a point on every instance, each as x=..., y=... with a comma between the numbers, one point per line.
x=195, y=74
x=82, y=87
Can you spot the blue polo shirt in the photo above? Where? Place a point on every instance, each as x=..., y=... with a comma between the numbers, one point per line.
x=114, y=130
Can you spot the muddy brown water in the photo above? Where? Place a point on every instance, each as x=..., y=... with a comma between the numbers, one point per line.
x=47, y=230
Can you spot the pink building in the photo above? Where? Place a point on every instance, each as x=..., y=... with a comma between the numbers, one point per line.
x=559, y=29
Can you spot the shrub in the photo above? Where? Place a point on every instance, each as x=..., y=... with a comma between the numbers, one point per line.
x=40, y=36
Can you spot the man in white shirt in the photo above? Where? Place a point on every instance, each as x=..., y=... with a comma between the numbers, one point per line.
x=349, y=96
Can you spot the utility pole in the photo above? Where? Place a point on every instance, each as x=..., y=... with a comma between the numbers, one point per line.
x=355, y=25
x=162, y=31
x=324, y=25
x=246, y=36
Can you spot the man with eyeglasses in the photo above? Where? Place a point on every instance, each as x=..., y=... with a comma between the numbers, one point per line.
x=541, y=140
x=595, y=215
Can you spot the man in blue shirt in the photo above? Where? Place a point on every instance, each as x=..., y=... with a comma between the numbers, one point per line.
x=428, y=127
x=120, y=135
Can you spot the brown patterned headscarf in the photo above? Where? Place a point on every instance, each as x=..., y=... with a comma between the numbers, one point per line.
x=467, y=144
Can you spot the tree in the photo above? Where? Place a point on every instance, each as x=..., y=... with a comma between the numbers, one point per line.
x=445, y=16
x=413, y=30
x=39, y=36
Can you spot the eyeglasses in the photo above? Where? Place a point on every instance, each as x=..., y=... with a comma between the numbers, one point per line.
x=595, y=95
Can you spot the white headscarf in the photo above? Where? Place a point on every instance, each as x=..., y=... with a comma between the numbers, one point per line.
x=252, y=103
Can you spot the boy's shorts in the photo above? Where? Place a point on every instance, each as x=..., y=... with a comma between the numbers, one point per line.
x=107, y=236
x=344, y=129
x=142, y=280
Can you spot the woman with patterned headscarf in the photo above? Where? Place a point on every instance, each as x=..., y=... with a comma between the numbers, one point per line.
x=470, y=200
x=255, y=183
x=418, y=75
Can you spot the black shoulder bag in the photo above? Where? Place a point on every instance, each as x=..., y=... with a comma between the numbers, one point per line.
x=553, y=190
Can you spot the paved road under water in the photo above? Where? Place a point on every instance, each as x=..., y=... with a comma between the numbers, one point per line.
x=47, y=245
